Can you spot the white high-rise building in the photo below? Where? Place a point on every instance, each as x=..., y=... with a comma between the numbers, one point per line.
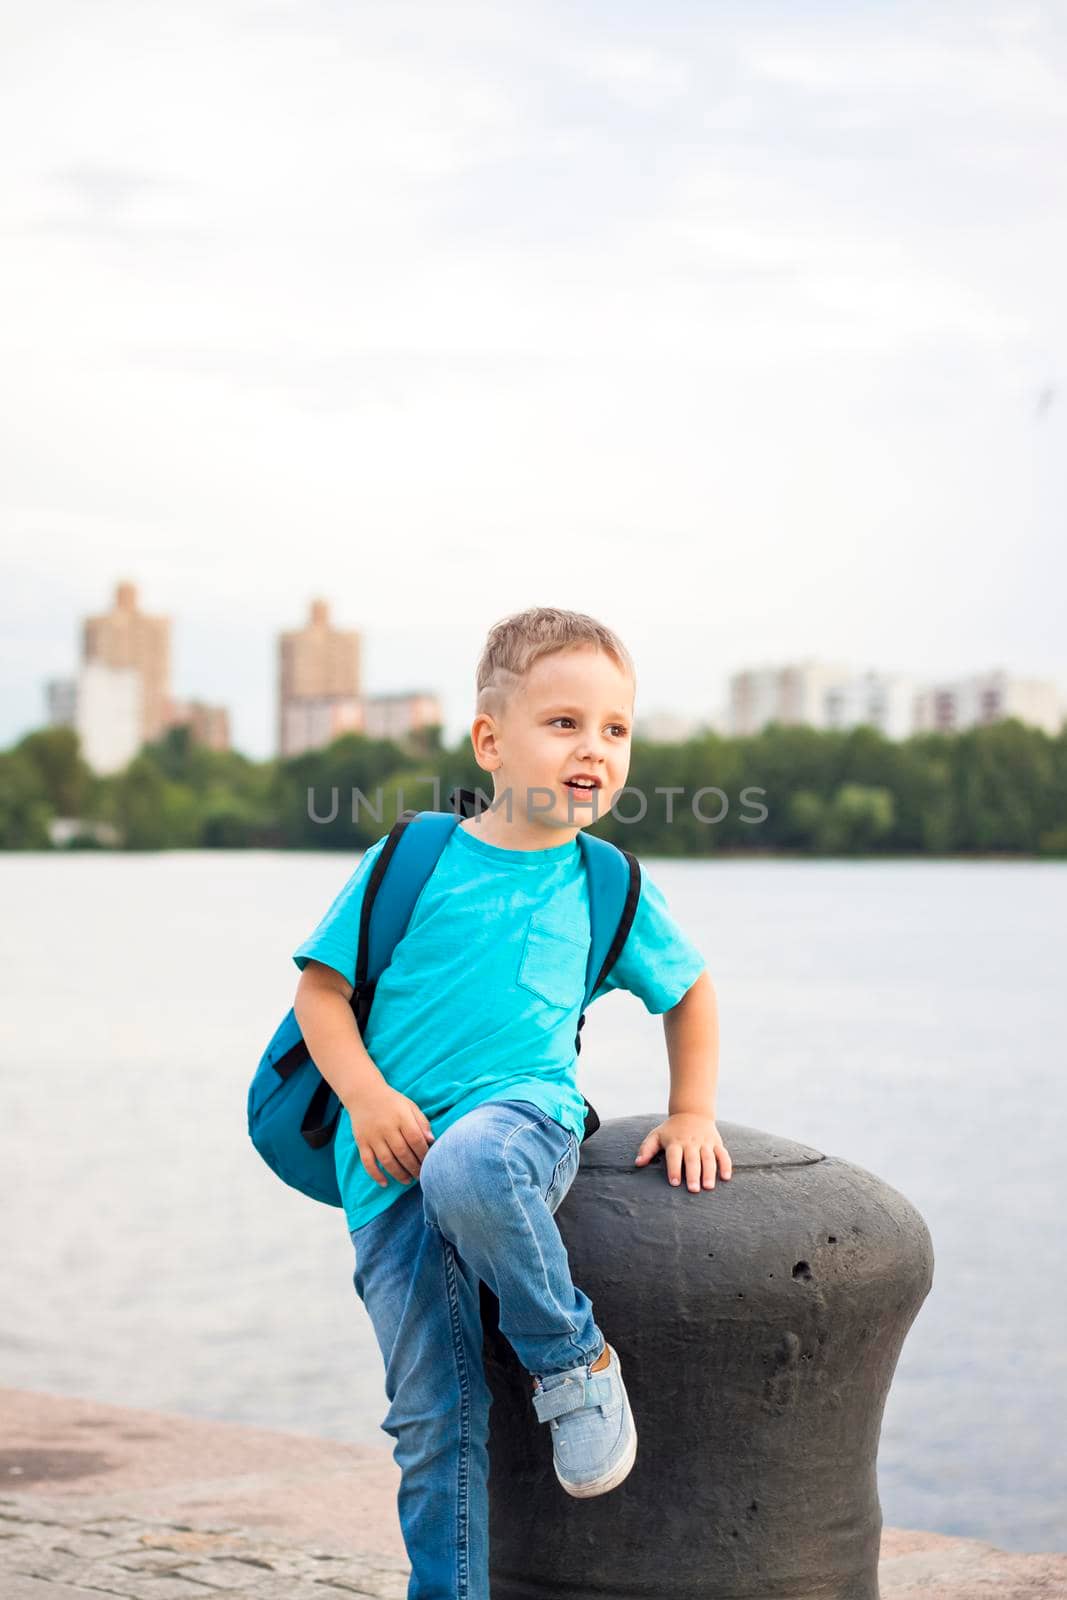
x=879, y=700
x=986, y=697
x=804, y=689
x=792, y=694
x=821, y=694
x=109, y=715
x=755, y=699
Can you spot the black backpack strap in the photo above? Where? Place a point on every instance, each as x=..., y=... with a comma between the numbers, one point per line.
x=622, y=931
x=467, y=802
x=363, y=989
x=315, y=1128
x=629, y=911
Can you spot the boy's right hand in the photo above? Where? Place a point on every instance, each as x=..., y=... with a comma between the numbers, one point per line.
x=391, y=1134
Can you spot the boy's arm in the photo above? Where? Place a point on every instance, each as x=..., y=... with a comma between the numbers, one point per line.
x=689, y=1135
x=390, y=1130
x=669, y=973
x=325, y=1019
x=691, y=1030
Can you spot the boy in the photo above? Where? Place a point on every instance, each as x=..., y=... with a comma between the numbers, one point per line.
x=461, y=1119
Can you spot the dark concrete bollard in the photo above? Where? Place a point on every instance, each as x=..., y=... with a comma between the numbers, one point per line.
x=759, y=1325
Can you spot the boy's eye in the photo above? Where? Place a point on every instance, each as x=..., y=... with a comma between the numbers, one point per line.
x=619, y=727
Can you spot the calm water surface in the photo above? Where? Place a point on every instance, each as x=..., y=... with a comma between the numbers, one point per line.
x=907, y=1017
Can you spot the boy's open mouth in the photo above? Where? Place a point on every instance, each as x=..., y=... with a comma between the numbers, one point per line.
x=582, y=785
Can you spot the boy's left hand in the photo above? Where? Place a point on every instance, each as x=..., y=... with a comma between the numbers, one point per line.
x=693, y=1138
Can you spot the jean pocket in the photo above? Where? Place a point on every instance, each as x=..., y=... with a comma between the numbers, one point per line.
x=565, y=1173
x=553, y=963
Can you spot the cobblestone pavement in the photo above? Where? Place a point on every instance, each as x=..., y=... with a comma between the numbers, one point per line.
x=139, y=1505
x=59, y=1553
x=54, y=1552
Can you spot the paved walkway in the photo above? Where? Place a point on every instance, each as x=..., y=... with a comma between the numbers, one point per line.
x=100, y=1500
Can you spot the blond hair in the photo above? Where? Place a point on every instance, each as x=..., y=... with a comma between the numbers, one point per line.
x=516, y=642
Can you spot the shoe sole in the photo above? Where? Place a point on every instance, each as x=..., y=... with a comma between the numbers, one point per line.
x=621, y=1469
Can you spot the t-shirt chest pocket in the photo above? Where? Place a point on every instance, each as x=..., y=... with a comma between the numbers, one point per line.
x=553, y=962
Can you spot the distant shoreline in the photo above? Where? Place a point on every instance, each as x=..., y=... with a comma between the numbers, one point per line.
x=727, y=853
x=998, y=792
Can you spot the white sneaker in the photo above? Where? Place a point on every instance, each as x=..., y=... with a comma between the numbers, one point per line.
x=594, y=1439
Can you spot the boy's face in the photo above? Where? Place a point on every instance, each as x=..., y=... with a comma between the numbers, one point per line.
x=571, y=716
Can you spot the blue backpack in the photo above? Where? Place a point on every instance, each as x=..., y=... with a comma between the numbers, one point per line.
x=292, y=1110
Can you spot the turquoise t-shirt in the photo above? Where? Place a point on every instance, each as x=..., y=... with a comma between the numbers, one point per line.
x=482, y=997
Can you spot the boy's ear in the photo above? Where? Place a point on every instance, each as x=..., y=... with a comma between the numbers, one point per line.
x=484, y=741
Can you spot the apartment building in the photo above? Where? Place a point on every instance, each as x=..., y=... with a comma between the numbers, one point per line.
x=985, y=697
x=126, y=637
x=319, y=683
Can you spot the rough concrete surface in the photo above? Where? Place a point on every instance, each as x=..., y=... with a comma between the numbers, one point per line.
x=106, y=1500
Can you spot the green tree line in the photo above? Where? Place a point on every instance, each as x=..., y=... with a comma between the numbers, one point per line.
x=997, y=789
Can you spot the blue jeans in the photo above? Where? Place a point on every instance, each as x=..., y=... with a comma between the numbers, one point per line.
x=481, y=1209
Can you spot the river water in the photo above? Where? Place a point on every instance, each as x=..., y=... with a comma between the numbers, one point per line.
x=906, y=1016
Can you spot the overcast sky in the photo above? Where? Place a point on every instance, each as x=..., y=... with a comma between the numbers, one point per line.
x=741, y=327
